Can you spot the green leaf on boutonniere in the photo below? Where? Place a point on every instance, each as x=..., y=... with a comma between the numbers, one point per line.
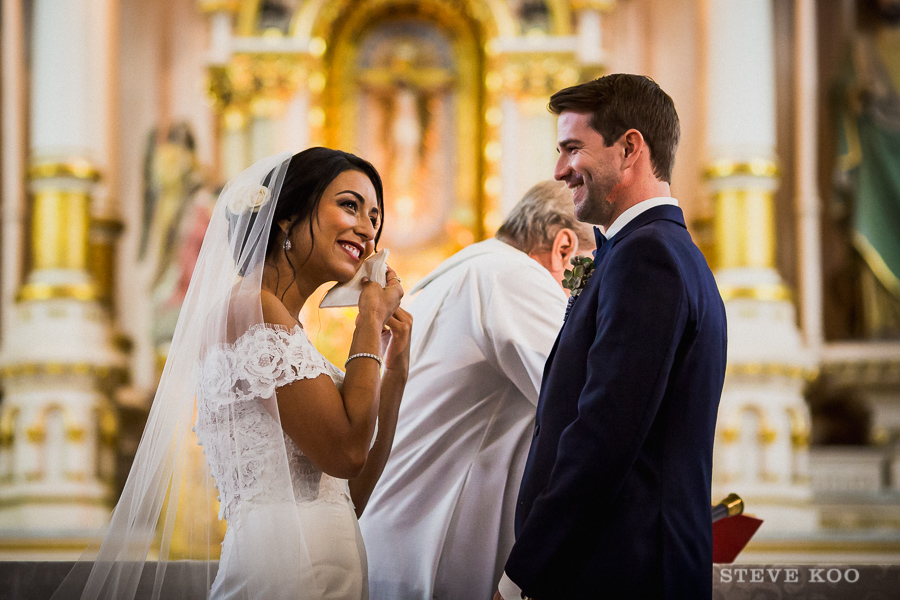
x=574, y=279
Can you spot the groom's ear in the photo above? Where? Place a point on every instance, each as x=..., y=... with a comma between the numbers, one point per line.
x=632, y=144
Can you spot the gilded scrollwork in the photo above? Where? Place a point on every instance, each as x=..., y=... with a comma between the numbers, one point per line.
x=532, y=74
x=605, y=6
x=8, y=421
x=258, y=83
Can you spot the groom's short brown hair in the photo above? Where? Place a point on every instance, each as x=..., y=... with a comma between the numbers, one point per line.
x=620, y=102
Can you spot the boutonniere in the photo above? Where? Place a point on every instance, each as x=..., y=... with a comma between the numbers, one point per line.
x=576, y=278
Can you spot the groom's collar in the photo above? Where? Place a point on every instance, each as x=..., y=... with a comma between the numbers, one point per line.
x=666, y=211
x=632, y=212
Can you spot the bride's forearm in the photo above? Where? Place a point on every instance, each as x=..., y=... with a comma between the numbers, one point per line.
x=361, y=381
x=392, y=386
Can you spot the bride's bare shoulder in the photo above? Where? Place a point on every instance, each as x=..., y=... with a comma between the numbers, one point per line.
x=274, y=311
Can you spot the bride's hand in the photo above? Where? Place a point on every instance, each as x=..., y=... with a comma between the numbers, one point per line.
x=395, y=341
x=381, y=302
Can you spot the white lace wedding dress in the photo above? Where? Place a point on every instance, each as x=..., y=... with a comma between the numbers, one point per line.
x=234, y=421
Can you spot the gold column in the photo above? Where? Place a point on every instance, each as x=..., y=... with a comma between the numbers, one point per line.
x=59, y=228
x=744, y=225
x=60, y=221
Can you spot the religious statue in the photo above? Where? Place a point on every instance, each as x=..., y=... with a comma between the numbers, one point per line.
x=868, y=177
x=177, y=209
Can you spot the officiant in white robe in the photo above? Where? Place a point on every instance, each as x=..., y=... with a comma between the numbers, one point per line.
x=439, y=523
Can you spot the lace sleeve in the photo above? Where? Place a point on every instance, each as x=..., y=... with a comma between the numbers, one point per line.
x=262, y=359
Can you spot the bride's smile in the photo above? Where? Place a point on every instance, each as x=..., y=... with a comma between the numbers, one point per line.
x=343, y=230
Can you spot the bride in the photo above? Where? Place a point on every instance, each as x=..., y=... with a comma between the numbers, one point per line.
x=289, y=443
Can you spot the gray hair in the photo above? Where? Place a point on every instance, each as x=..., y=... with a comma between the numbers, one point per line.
x=544, y=209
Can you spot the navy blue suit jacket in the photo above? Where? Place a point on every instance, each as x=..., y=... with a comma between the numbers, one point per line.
x=615, y=498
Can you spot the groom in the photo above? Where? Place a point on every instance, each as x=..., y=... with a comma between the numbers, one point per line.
x=615, y=499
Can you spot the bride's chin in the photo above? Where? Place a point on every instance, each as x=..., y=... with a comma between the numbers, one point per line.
x=344, y=277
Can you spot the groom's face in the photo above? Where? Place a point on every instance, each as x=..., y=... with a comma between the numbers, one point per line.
x=588, y=166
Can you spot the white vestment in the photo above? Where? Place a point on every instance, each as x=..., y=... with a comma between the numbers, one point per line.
x=439, y=523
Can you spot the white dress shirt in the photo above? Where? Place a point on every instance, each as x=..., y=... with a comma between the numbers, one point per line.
x=626, y=217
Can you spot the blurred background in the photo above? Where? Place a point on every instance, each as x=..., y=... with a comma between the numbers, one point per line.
x=121, y=120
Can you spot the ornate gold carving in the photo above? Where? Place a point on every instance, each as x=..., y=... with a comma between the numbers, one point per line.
x=257, y=83
x=597, y=5
x=800, y=439
x=74, y=432
x=8, y=426
x=77, y=168
x=43, y=291
x=492, y=16
x=770, y=293
x=60, y=369
x=560, y=18
x=248, y=17
x=730, y=435
x=532, y=74
x=867, y=370
x=214, y=6
x=36, y=433
x=317, y=46
x=767, y=435
x=591, y=72
x=336, y=105
x=759, y=167
x=772, y=370
x=58, y=499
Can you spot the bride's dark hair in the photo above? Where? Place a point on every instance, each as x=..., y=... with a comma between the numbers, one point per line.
x=308, y=174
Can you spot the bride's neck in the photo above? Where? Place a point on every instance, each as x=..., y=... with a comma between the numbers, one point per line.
x=287, y=285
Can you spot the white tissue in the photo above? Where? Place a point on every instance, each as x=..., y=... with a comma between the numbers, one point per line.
x=347, y=294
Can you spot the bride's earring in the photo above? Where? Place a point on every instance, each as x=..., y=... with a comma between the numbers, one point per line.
x=287, y=244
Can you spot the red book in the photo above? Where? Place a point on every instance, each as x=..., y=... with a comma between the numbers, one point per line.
x=731, y=534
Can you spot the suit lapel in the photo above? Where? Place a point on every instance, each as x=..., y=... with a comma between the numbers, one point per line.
x=665, y=212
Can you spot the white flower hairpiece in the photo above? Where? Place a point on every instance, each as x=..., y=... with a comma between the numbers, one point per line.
x=248, y=198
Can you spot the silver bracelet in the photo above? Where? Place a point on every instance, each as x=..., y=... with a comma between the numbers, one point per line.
x=363, y=355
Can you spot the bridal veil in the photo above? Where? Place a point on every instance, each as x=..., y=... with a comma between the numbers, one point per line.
x=170, y=488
